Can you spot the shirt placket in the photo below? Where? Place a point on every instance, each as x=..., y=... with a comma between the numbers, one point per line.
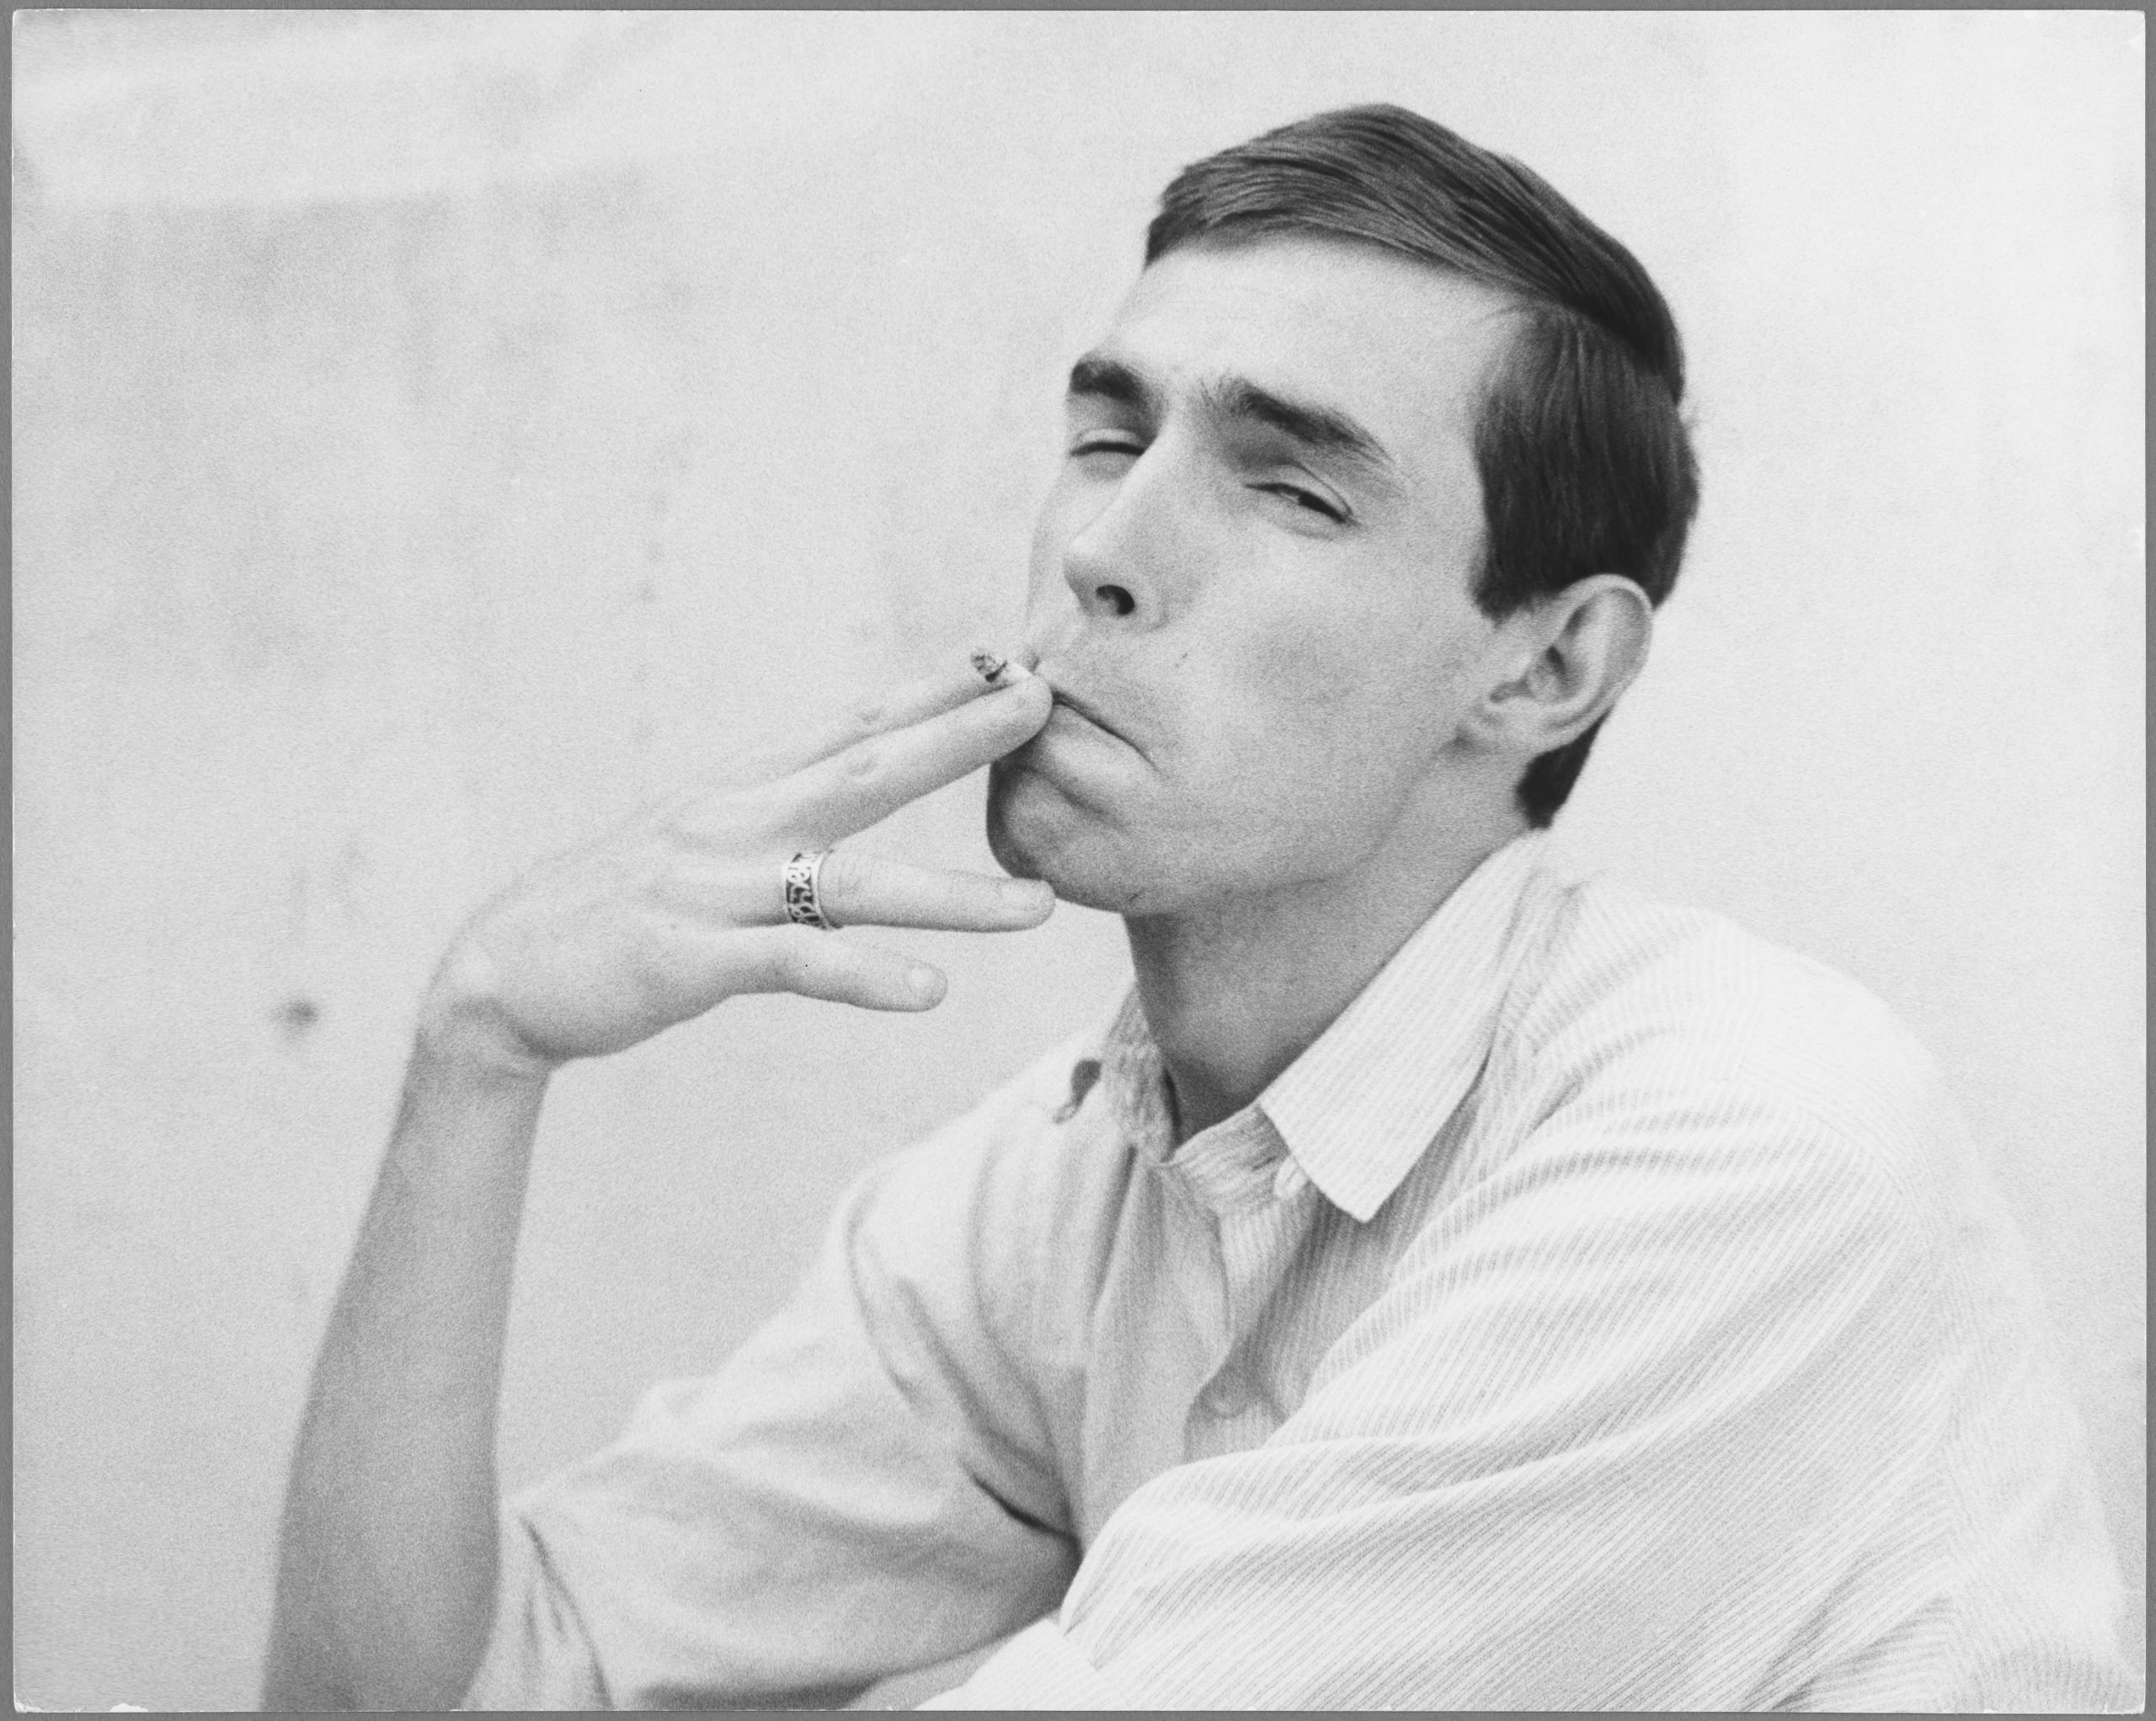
x=1233, y=1175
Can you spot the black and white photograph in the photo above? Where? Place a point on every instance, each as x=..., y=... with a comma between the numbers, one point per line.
x=1074, y=860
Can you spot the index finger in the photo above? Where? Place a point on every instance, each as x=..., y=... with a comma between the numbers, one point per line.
x=872, y=778
x=878, y=713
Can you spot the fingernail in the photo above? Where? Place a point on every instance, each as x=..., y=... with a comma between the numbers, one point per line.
x=925, y=983
x=1023, y=893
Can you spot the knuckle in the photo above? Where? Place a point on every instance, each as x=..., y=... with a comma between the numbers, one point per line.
x=870, y=715
x=863, y=762
x=679, y=827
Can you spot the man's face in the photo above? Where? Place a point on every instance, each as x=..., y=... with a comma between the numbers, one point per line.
x=1251, y=583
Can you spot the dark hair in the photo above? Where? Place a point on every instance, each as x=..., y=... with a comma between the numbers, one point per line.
x=1585, y=464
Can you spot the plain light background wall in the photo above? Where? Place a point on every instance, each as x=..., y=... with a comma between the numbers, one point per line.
x=436, y=433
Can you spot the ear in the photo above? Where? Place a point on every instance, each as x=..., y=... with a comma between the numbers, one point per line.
x=1560, y=664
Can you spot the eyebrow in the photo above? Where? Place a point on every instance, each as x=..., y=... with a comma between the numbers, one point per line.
x=1237, y=399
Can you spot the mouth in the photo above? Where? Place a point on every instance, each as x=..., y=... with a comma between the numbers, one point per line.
x=1078, y=707
x=1073, y=713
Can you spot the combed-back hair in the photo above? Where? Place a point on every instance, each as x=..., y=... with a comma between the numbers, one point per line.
x=1584, y=461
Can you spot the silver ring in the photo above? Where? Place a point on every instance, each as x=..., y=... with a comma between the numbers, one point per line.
x=802, y=906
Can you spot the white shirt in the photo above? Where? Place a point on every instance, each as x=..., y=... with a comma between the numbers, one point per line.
x=1607, y=1312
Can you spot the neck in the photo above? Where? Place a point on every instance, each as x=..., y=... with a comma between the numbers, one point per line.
x=1237, y=989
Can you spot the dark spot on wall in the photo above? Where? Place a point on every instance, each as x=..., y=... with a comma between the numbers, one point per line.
x=296, y=1016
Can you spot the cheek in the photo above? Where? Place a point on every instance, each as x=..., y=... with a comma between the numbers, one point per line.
x=1351, y=702
x=1309, y=672
x=1344, y=671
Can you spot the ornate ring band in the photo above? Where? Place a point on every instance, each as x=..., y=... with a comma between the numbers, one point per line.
x=802, y=906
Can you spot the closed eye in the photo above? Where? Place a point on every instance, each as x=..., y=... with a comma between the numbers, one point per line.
x=1098, y=444
x=1306, y=499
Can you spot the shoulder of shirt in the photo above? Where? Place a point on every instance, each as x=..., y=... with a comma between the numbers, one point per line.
x=1025, y=1113
x=1622, y=989
x=1010, y=1174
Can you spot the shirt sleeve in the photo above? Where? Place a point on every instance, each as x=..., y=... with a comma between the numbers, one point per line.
x=1632, y=1416
x=537, y=1656
x=861, y=1490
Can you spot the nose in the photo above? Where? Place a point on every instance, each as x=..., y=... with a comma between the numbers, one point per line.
x=1117, y=563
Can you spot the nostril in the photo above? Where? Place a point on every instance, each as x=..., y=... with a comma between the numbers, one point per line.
x=1120, y=600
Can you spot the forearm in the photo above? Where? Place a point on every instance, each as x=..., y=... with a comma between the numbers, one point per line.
x=386, y=1583
x=388, y=1571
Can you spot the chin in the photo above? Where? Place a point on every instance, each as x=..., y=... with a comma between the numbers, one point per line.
x=1035, y=831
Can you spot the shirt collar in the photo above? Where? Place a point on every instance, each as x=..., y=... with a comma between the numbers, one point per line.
x=1363, y=1103
x=1360, y=1106
x=1134, y=1082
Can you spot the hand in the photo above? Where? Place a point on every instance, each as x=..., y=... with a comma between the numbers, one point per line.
x=601, y=948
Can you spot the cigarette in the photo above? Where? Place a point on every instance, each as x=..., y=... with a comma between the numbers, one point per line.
x=999, y=671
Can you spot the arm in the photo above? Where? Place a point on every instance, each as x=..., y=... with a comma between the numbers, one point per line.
x=860, y=1488
x=1645, y=1418
x=387, y=1584
x=386, y=1575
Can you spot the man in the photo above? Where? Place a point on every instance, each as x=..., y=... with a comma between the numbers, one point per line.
x=1443, y=1284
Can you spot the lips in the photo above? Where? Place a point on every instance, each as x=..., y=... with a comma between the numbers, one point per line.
x=1070, y=701
x=1073, y=702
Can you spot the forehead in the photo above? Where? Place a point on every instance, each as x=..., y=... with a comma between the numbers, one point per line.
x=1403, y=347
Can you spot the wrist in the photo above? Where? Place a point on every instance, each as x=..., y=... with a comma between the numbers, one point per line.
x=461, y=1031
x=471, y=1054
x=468, y=1105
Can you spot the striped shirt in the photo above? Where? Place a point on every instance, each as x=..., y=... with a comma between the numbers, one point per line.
x=1606, y=1312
